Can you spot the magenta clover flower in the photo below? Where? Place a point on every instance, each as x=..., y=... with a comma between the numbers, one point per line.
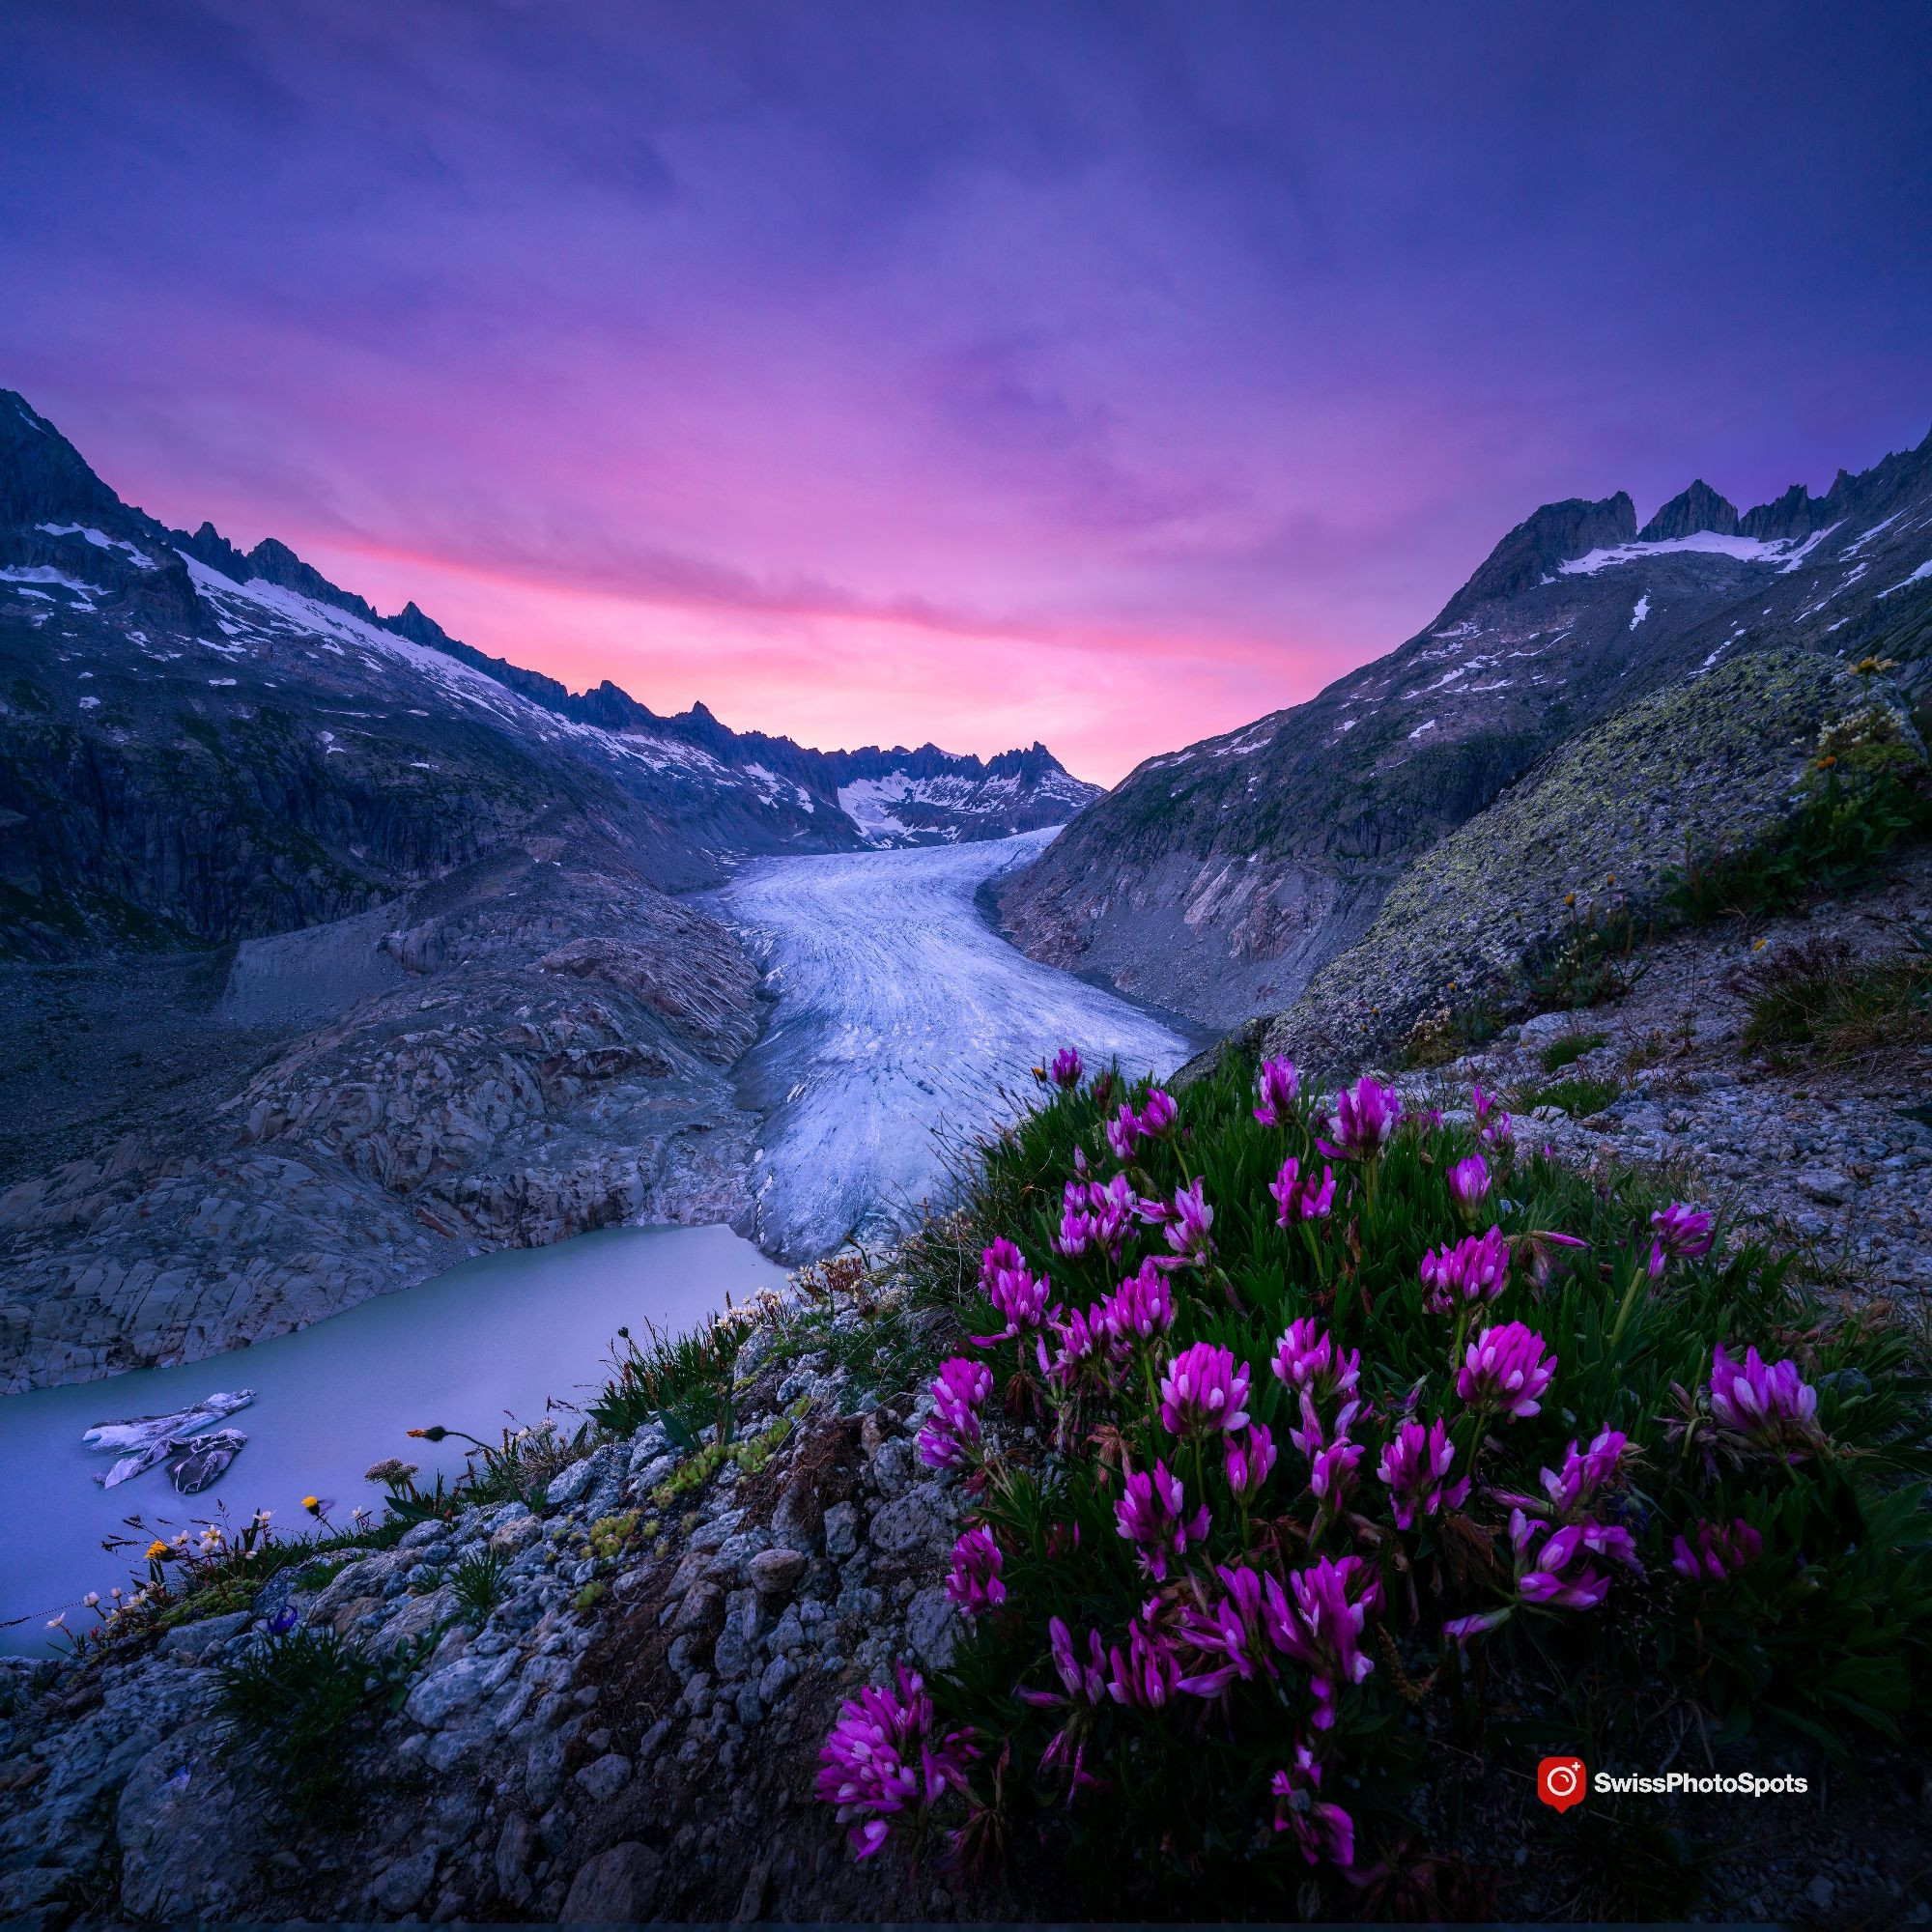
x=1095, y=1213
x=1491, y=1123
x=1146, y=1675
x=1470, y=1183
x=1015, y=1292
x=1141, y=1307
x=1543, y=1559
x=1766, y=1406
x=1297, y=1194
x=1365, y=1118
x=1710, y=1551
x=1306, y=1357
x=1332, y=1472
x=1067, y=1067
x=881, y=1759
x=1187, y=1231
x=1475, y=1269
x=1321, y=1629
x=1150, y=1516
x=1250, y=1458
x=1677, y=1234
x=975, y=1583
x=1505, y=1369
x=1205, y=1389
x=1230, y=1633
x=952, y=1438
x=1575, y=1485
x=1277, y=1086
x=1159, y=1114
x=1124, y=1133
x=1085, y=1347
x=1322, y=1830
x=1415, y=1465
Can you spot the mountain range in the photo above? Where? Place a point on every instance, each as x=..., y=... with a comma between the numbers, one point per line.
x=203, y=744
x=1219, y=878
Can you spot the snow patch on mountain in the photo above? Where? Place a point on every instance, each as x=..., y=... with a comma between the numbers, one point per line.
x=1746, y=550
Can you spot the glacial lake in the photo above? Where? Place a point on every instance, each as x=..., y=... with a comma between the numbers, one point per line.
x=495, y=1337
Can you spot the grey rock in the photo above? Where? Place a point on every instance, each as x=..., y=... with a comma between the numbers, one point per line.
x=455, y=1687
x=894, y=1468
x=190, y=1643
x=567, y=1485
x=618, y=1887
x=775, y=1573
x=841, y=1530
x=543, y=1772
x=932, y=1626
x=778, y=1676
x=1824, y=1185
x=702, y=1608
x=402, y=1888
x=920, y=1518
x=605, y=1776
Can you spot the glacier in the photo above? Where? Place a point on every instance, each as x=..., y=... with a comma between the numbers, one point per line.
x=904, y=1027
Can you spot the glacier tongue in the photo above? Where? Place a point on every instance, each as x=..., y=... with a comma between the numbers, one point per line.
x=901, y=1017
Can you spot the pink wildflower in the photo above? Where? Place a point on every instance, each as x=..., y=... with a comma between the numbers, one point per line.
x=1505, y=1369
x=975, y=1583
x=1276, y=1089
x=1322, y=1830
x=1150, y=1516
x=1204, y=1390
x=1415, y=1465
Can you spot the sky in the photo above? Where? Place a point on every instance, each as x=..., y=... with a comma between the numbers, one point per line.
x=1104, y=374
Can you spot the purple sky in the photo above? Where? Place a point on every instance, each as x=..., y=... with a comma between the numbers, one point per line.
x=1109, y=374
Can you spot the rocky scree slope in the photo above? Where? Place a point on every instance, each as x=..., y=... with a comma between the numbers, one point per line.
x=1217, y=879
x=1597, y=830
x=627, y=1734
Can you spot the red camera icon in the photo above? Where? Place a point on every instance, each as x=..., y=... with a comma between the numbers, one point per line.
x=1562, y=1781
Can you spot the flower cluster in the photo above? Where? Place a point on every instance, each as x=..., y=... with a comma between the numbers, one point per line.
x=1677, y=1234
x=1505, y=1369
x=1473, y=1270
x=1015, y=1292
x=1415, y=1465
x=1152, y=1516
x=882, y=1759
x=1204, y=1391
x=1763, y=1406
x=1706, y=1551
x=1365, y=1121
x=1299, y=1195
x=975, y=1583
x=1277, y=1086
x=950, y=1438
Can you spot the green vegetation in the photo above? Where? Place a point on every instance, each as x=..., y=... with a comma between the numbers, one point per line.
x=1570, y=1048
x=298, y=1701
x=1868, y=789
x=1579, y=1097
x=1766, y=1563
x=478, y=1583
x=1818, y=995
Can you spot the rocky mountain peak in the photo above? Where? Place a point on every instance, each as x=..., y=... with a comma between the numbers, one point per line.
x=44, y=479
x=1543, y=540
x=1698, y=508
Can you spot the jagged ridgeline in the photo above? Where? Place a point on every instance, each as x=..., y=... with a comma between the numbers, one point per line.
x=1220, y=879
x=198, y=744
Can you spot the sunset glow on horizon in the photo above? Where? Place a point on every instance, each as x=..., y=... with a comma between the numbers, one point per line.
x=1104, y=377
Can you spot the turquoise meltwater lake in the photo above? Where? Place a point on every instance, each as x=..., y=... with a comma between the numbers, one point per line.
x=492, y=1340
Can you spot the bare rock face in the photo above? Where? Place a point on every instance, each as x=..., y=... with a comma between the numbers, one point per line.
x=472, y=1095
